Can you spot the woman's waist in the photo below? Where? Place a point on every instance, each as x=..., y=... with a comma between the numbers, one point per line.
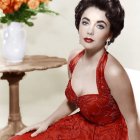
x=102, y=119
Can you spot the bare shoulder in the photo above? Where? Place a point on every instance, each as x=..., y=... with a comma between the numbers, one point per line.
x=73, y=53
x=113, y=67
x=115, y=73
x=121, y=88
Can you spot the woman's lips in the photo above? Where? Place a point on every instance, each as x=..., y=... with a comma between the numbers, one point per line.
x=88, y=40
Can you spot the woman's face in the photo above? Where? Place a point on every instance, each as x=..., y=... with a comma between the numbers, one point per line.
x=94, y=28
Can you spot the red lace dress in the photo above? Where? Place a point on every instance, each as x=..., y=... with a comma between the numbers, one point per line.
x=99, y=117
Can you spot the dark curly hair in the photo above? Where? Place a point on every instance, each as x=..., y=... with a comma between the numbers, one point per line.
x=114, y=13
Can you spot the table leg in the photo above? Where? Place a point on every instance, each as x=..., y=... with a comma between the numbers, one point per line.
x=14, y=122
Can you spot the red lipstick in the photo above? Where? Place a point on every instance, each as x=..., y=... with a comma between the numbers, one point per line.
x=88, y=40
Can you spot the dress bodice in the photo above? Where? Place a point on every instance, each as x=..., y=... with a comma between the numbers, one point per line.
x=98, y=108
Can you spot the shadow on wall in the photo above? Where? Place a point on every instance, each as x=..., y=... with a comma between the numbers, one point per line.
x=134, y=76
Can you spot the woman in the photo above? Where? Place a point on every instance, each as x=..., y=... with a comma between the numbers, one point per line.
x=98, y=84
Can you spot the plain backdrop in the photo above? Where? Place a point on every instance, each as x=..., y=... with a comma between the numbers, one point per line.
x=42, y=91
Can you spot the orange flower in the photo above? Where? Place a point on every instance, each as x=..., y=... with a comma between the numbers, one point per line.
x=45, y=1
x=18, y=1
x=4, y=4
x=17, y=5
x=33, y=4
x=9, y=6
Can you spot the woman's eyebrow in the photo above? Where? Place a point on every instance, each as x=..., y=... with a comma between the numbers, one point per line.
x=101, y=21
x=86, y=18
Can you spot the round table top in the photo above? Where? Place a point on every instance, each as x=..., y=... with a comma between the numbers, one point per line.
x=31, y=63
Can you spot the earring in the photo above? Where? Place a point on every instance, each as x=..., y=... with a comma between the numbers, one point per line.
x=107, y=44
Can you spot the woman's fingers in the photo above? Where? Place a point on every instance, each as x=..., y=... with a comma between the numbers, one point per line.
x=25, y=130
x=36, y=133
x=38, y=127
x=40, y=130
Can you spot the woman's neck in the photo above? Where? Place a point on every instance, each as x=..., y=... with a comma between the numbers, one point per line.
x=93, y=55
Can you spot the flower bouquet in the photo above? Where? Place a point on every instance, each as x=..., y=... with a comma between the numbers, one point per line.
x=22, y=10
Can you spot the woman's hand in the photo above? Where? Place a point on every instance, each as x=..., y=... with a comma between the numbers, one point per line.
x=39, y=127
x=63, y=110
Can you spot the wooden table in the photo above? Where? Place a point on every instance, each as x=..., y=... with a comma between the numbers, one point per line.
x=13, y=73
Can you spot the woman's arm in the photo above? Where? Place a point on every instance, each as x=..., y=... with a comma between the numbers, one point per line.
x=63, y=110
x=122, y=92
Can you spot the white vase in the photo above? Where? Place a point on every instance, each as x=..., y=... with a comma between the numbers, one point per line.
x=14, y=42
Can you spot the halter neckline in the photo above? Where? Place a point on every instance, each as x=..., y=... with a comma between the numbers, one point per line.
x=77, y=58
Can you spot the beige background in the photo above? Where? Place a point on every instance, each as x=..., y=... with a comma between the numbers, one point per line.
x=41, y=92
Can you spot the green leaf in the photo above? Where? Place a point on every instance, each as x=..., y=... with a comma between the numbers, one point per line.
x=29, y=23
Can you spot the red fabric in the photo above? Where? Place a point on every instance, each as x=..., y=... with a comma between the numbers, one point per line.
x=99, y=117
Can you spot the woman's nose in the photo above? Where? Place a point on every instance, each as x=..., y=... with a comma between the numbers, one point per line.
x=90, y=30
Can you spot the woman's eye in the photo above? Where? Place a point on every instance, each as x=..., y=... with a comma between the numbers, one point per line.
x=84, y=22
x=100, y=27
